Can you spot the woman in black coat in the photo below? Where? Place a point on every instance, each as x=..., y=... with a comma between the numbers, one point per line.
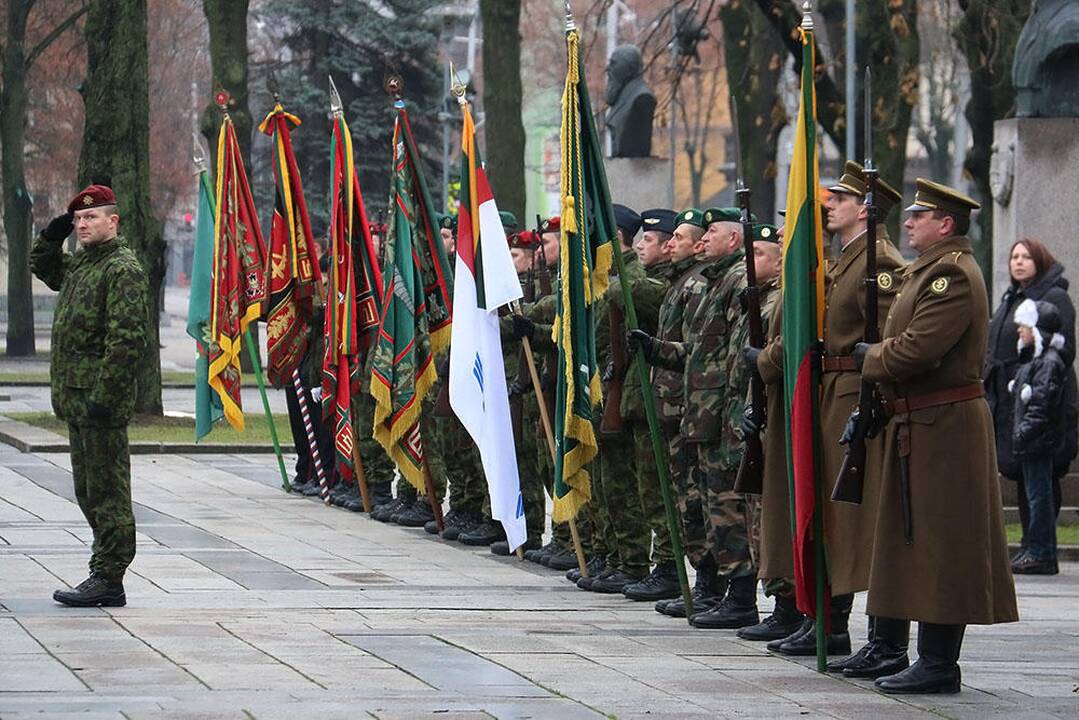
x=1036, y=275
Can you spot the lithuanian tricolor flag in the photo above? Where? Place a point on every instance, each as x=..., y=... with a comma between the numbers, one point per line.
x=803, y=317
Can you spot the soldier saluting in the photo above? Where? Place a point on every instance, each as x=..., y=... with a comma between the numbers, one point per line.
x=98, y=334
x=940, y=555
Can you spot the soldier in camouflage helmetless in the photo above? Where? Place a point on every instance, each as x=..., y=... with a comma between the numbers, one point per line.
x=99, y=332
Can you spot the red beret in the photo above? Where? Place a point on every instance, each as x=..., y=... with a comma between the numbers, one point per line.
x=553, y=224
x=523, y=239
x=91, y=197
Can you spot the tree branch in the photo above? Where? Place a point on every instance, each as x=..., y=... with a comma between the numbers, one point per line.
x=56, y=32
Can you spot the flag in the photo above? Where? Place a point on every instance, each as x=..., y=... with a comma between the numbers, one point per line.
x=239, y=287
x=803, y=318
x=415, y=323
x=293, y=274
x=587, y=233
x=354, y=297
x=484, y=281
x=207, y=403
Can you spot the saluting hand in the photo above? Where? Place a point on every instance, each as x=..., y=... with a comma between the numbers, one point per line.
x=59, y=227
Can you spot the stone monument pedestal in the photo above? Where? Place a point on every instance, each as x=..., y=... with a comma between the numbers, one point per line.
x=1035, y=171
x=640, y=183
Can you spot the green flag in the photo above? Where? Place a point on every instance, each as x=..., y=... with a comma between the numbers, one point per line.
x=585, y=255
x=208, y=408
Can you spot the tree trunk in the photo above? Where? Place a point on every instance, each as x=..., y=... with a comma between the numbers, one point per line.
x=987, y=34
x=502, y=96
x=754, y=60
x=17, y=218
x=116, y=147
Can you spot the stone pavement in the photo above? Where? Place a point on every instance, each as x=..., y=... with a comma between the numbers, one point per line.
x=245, y=602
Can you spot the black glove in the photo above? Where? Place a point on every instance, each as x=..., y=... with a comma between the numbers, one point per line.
x=860, y=349
x=640, y=340
x=519, y=389
x=751, y=424
x=59, y=227
x=98, y=411
x=750, y=354
x=853, y=428
x=523, y=327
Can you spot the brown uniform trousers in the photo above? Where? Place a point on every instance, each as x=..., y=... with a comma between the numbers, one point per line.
x=955, y=570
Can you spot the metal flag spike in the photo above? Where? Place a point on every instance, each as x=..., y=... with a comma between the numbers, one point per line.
x=570, y=24
x=197, y=156
x=807, y=15
x=335, y=98
x=867, y=89
x=273, y=87
x=457, y=87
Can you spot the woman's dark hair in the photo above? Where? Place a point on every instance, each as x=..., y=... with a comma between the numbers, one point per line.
x=1039, y=253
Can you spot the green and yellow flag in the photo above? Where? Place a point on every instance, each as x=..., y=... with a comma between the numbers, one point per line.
x=587, y=233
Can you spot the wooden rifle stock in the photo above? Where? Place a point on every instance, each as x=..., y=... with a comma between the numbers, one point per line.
x=548, y=380
x=750, y=477
x=611, y=423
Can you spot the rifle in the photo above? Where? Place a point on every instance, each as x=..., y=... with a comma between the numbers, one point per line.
x=550, y=368
x=866, y=418
x=611, y=423
x=524, y=378
x=750, y=478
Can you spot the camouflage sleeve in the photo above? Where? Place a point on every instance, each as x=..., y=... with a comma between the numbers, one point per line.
x=126, y=336
x=670, y=355
x=543, y=312
x=48, y=262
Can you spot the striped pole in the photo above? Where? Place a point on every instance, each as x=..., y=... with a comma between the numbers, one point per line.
x=301, y=396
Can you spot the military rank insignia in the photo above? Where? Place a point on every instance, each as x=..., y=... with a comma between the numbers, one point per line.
x=885, y=281
x=939, y=286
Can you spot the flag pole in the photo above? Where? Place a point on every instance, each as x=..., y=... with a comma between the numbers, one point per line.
x=309, y=429
x=256, y=364
x=432, y=498
x=361, y=477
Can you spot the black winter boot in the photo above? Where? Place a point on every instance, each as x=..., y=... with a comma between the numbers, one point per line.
x=483, y=534
x=937, y=667
x=95, y=591
x=836, y=643
x=737, y=610
x=707, y=591
x=886, y=653
x=661, y=584
x=785, y=619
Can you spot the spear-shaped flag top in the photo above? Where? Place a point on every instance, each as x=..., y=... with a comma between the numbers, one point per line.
x=239, y=287
x=354, y=298
x=484, y=281
x=293, y=273
x=207, y=403
x=585, y=256
x=803, y=316
x=416, y=314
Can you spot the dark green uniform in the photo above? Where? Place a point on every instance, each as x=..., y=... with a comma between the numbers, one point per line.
x=99, y=333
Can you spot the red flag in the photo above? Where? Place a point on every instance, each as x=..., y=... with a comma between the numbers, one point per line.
x=293, y=271
x=239, y=287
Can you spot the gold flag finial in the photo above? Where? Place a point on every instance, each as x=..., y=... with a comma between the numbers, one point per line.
x=335, y=99
x=457, y=87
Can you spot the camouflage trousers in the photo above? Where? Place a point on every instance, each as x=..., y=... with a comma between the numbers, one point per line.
x=464, y=470
x=728, y=513
x=377, y=466
x=689, y=496
x=621, y=526
x=101, y=468
x=529, y=447
x=649, y=494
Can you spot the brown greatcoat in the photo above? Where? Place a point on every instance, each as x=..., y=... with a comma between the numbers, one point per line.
x=776, y=554
x=848, y=529
x=956, y=569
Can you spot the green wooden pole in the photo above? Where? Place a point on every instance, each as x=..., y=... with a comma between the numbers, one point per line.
x=659, y=446
x=257, y=365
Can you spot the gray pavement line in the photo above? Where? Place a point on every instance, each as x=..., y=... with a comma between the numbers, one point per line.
x=28, y=512
x=540, y=685
x=33, y=558
x=411, y=674
x=163, y=655
x=273, y=657
x=51, y=654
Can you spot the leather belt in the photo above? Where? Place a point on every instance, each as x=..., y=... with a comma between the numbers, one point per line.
x=902, y=406
x=839, y=363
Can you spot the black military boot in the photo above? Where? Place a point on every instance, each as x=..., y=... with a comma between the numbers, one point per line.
x=661, y=584
x=836, y=643
x=453, y=518
x=737, y=609
x=562, y=561
x=379, y=493
x=886, y=653
x=502, y=547
x=417, y=515
x=537, y=556
x=384, y=512
x=340, y=493
x=785, y=619
x=312, y=488
x=485, y=533
x=614, y=582
x=806, y=627
x=937, y=667
x=708, y=590
x=585, y=583
x=95, y=591
x=594, y=566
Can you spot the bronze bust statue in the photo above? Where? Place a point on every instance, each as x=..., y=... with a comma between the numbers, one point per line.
x=1046, y=67
x=631, y=104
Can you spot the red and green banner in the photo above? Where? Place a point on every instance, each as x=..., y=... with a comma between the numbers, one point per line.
x=354, y=297
x=238, y=285
x=293, y=273
x=416, y=320
x=587, y=234
x=803, y=318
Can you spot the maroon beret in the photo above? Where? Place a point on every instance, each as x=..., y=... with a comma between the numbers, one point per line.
x=91, y=197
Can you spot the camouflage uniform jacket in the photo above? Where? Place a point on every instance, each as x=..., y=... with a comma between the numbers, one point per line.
x=687, y=288
x=99, y=328
x=648, y=285
x=705, y=356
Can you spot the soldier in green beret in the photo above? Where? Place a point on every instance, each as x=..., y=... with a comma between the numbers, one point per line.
x=99, y=333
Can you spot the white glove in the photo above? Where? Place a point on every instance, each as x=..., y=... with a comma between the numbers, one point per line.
x=316, y=394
